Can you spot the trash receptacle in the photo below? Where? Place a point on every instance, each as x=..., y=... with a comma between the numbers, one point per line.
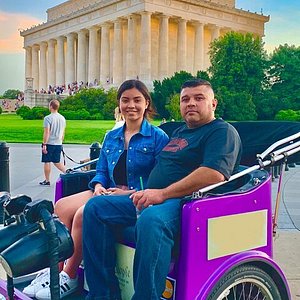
x=4, y=167
x=95, y=149
x=4, y=174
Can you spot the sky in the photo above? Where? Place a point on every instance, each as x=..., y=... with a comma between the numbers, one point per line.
x=16, y=15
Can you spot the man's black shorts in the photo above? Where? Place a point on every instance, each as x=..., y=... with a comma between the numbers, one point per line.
x=53, y=154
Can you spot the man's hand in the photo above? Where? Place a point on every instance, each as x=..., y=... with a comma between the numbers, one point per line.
x=44, y=148
x=142, y=199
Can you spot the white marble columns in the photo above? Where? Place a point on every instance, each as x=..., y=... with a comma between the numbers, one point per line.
x=144, y=45
x=105, y=54
x=145, y=49
x=117, y=52
x=163, y=55
x=35, y=67
x=28, y=62
x=215, y=32
x=131, y=71
x=81, y=59
x=181, y=45
x=60, y=61
x=93, y=57
x=199, y=47
x=43, y=66
x=70, y=59
x=51, y=63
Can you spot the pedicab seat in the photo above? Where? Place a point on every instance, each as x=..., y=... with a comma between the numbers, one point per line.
x=248, y=196
x=256, y=136
x=76, y=182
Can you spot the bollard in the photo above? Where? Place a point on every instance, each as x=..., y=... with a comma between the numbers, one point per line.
x=94, y=153
x=4, y=167
x=4, y=173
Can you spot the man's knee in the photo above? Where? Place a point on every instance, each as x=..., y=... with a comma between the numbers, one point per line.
x=149, y=218
x=159, y=222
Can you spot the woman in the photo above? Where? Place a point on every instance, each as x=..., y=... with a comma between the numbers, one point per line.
x=119, y=118
x=126, y=160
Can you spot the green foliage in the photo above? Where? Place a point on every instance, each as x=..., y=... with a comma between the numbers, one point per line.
x=11, y=94
x=237, y=70
x=173, y=107
x=238, y=106
x=203, y=75
x=0, y=110
x=36, y=113
x=90, y=104
x=23, y=110
x=81, y=114
x=288, y=115
x=284, y=76
x=110, y=104
x=164, y=90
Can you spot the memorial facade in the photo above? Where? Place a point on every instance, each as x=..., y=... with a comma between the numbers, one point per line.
x=108, y=41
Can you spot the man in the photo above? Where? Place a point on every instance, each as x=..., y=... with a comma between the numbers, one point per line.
x=54, y=130
x=202, y=152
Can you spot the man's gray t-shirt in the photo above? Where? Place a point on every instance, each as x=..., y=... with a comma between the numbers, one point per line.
x=57, y=124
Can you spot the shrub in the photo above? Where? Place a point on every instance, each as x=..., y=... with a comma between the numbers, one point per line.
x=23, y=110
x=93, y=101
x=36, y=113
x=0, y=110
x=80, y=114
x=288, y=115
x=97, y=116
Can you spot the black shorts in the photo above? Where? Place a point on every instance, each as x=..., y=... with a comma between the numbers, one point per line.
x=53, y=154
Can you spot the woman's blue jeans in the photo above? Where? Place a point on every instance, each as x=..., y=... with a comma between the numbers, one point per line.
x=155, y=232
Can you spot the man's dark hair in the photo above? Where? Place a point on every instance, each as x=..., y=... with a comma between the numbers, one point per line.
x=196, y=82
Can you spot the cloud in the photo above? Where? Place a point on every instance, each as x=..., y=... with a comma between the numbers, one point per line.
x=10, y=39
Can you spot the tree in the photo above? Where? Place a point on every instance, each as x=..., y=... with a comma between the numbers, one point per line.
x=237, y=69
x=284, y=77
x=173, y=107
x=110, y=104
x=11, y=94
x=164, y=90
x=97, y=102
x=239, y=106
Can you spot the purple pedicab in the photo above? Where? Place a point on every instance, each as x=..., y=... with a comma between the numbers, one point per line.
x=225, y=248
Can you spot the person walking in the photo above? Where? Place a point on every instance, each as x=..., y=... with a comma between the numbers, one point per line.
x=54, y=130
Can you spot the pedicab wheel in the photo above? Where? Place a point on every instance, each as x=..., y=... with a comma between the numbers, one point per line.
x=246, y=282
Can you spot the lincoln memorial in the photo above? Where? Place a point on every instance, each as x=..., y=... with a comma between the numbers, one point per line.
x=108, y=41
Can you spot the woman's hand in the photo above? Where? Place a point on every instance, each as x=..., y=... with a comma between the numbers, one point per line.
x=100, y=190
x=118, y=191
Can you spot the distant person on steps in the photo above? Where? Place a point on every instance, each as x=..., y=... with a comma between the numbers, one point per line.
x=54, y=131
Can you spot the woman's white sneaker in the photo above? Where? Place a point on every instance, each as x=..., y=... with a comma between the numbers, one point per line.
x=67, y=287
x=41, y=281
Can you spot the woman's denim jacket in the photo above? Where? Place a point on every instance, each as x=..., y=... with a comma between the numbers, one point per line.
x=142, y=152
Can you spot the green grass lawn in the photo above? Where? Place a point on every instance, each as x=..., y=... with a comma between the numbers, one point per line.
x=13, y=129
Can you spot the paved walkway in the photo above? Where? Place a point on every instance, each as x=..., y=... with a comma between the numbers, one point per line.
x=26, y=171
x=287, y=242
